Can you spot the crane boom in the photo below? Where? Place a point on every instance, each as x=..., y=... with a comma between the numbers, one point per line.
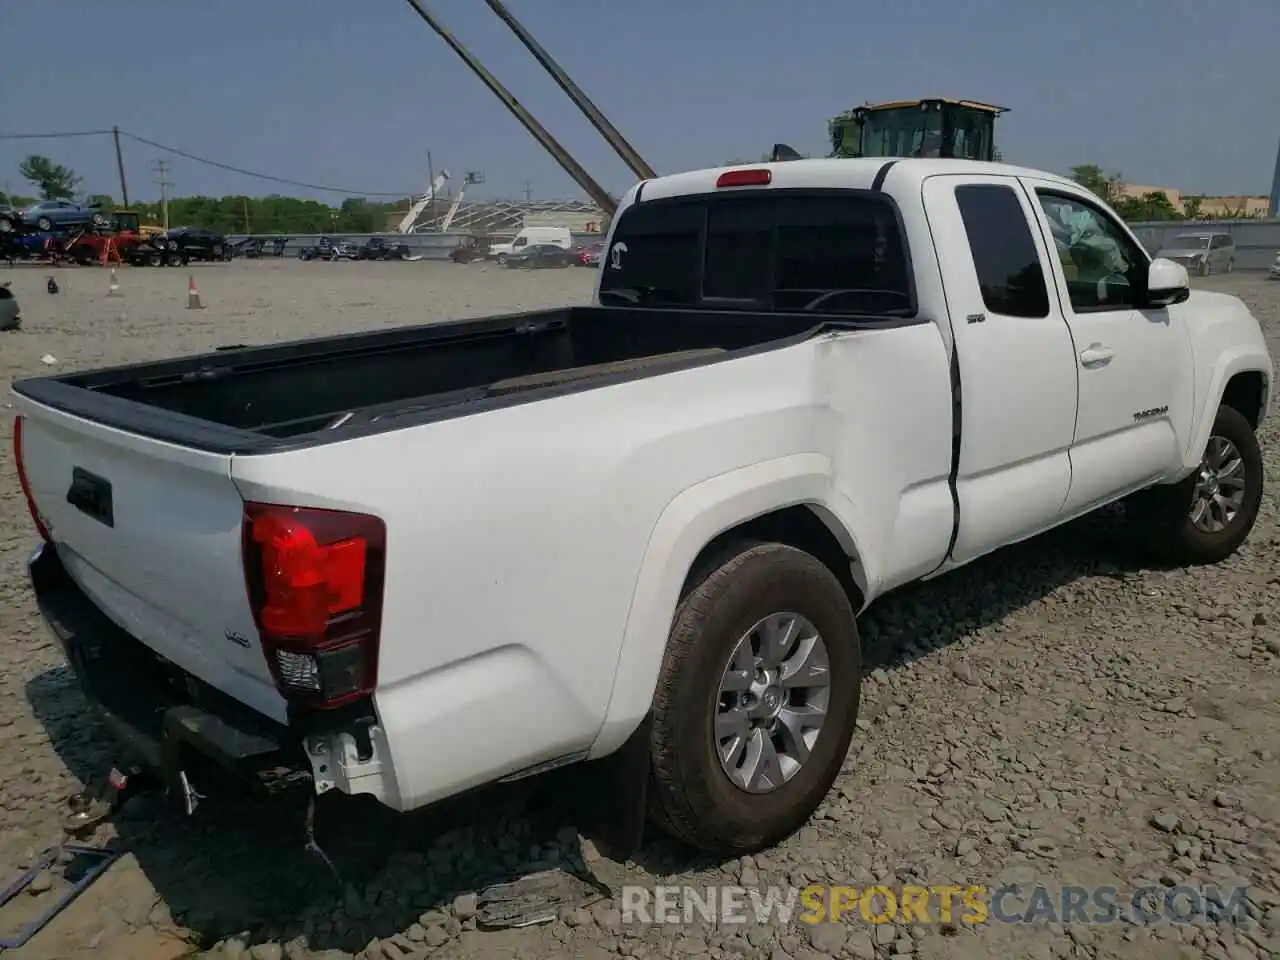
x=574, y=92
x=415, y=211
x=549, y=143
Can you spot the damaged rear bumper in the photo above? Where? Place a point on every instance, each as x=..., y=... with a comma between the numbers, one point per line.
x=166, y=721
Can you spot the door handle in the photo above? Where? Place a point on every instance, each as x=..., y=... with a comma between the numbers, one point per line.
x=1095, y=355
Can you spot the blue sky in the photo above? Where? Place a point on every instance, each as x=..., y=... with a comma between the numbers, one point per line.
x=354, y=93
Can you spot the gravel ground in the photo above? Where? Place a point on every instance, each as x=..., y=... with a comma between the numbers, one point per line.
x=1052, y=714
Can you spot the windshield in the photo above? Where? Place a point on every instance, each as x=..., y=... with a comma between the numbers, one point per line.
x=906, y=132
x=1189, y=241
x=784, y=251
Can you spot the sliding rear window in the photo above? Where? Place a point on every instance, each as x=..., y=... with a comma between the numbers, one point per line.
x=786, y=251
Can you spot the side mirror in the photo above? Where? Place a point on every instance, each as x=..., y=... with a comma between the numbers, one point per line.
x=1167, y=283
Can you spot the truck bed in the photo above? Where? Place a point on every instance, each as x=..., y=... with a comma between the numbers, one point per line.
x=258, y=399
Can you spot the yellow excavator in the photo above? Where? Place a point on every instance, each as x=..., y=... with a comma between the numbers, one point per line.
x=934, y=127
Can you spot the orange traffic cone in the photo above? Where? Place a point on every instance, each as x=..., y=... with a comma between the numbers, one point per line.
x=193, y=295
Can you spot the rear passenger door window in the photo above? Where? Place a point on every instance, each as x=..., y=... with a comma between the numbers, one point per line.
x=1010, y=274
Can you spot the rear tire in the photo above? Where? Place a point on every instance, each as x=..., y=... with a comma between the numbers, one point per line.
x=692, y=795
x=1166, y=515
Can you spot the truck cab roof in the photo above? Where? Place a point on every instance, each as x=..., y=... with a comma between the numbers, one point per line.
x=894, y=175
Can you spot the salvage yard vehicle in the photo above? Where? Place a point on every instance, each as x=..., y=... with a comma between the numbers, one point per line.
x=195, y=243
x=377, y=248
x=588, y=256
x=62, y=214
x=1202, y=252
x=153, y=252
x=10, y=218
x=541, y=255
x=329, y=249
x=254, y=248
x=637, y=534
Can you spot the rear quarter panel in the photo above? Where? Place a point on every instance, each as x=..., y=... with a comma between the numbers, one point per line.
x=524, y=544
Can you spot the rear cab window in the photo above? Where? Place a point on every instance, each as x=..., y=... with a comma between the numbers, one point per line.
x=1005, y=258
x=827, y=252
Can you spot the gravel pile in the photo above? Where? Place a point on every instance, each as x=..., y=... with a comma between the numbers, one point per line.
x=1054, y=715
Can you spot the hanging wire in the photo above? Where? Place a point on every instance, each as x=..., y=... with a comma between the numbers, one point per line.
x=320, y=188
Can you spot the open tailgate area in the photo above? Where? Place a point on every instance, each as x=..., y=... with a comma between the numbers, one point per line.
x=152, y=533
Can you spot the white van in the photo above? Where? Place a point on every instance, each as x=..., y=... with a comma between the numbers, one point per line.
x=530, y=237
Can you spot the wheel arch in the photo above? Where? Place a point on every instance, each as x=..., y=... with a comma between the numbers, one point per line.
x=1247, y=392
x=784, y=500
x=1242, y=379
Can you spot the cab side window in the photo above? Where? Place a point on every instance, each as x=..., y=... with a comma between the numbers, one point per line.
x=1010, y=274
x=1103, y=268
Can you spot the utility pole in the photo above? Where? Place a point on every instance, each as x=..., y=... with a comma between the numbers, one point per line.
x=161, y=168
x=528, y=190
x=124, y=187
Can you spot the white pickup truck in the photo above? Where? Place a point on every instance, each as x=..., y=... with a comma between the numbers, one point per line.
x=411, y=562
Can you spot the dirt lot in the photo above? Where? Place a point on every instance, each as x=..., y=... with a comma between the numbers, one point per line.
x=1053, y=714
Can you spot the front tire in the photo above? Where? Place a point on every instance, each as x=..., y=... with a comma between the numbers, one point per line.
x=755, y=703
x=1205, y=517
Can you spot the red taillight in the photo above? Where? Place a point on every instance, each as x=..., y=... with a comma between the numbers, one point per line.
x=745, y=178
x=315, y=586
x=24, y=484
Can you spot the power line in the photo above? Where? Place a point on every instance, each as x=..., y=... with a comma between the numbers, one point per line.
x=212, y=163
x=264, y=176
x=53, y=136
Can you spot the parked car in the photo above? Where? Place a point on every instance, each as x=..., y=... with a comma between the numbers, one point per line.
x=377, y=248
x=329, y=249
x=679, y=476
x=194, y=243
x=589, y=256
x=152, y=252
x=541, y=255
x=530, y=237
x=1201, y=252
x=1274, y=274
x=469, y=250
x=253, y=248
x=61, y=214
x=10, y=218
x=466, y=254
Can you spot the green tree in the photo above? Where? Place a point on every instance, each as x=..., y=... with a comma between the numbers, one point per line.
x=1096, y=180
x=1191, y=207
x=1150, y=206
x=54, y=181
